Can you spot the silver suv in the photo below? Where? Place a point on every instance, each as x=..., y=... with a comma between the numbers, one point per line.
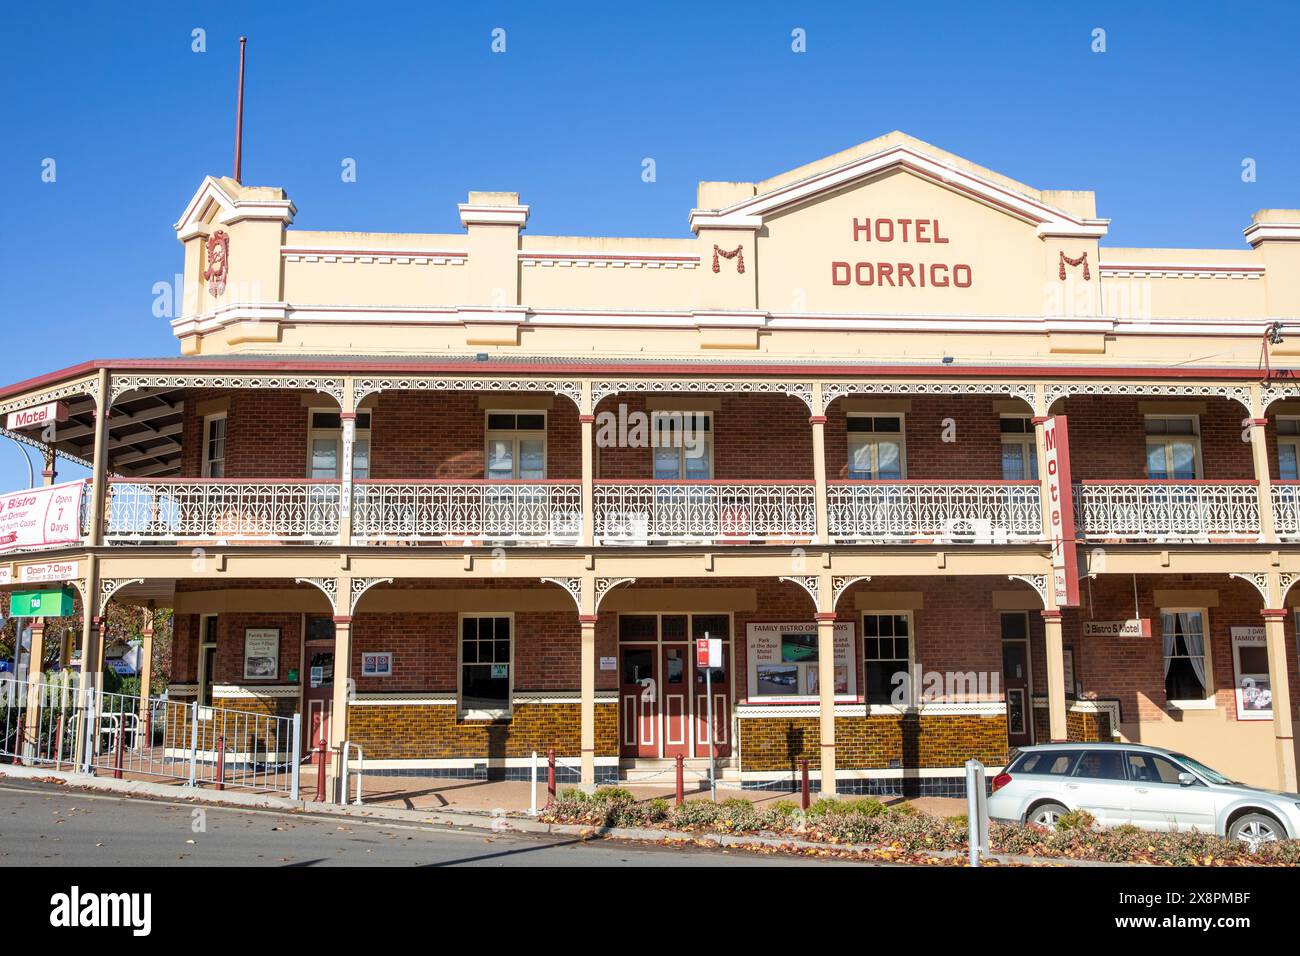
x=1149, y=787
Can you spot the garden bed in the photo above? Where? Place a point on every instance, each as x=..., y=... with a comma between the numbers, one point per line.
x=904, y=830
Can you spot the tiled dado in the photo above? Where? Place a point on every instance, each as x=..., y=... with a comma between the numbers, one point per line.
x=434, y=732
x=876, y=742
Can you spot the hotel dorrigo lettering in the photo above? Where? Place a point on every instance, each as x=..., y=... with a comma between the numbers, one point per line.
x=901, y=256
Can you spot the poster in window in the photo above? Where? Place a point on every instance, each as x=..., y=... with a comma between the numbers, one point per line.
x=1068, y=660
x=783, y=660
x=1250, y=665
x=261, y=653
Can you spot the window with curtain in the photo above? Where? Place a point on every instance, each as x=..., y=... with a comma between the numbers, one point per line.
x=1173, y=447
x=516, y=446
x=1019, y=448
x=325, y=446
x=683, y=446
x=1183, y=639
x=876, y=447
x=1288, y=448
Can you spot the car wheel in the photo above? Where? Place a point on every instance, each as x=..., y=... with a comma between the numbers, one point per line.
x=1256, y=828
x=1046, y=815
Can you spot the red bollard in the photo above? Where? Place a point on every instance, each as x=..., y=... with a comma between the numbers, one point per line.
x=221, y=762
x=803, y=771
x=117, y=749
x=550, y=776
x=681, y=779
x=18, y=748
x=320, y=773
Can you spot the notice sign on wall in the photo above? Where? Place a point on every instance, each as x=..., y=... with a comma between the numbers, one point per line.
x=41, y=517
x=783, y=660
x=1250, y=666
x=377, y=664
x=261, y=653
x=1133, y=627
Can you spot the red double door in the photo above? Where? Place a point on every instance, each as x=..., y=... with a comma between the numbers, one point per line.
x=663, y=704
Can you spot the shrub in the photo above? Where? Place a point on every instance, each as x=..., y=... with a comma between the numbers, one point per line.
x=1075, y=820
x=613, y=795
x=871, y=807
x=695, y=814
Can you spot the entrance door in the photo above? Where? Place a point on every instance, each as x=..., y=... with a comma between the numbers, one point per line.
x=638, y=701
x=718, y=684
x=318, y=685
x=676, y=697
x=1015, y=678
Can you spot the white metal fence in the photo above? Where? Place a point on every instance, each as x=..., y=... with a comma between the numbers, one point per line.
x=538, y=511
x=143, y=511
x=642, y=512
x=49, y=724
x=1164, y=510
x=975, y=512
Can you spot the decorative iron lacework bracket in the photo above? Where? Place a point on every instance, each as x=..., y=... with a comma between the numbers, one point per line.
x=327, y=586
x=1285, y=580
x=605, y=585
x=45, y=449
x=1021, y=390
x=572, y=390
x=1036, y=581
x=121, y=384
x=359, y=587
x=809, y=583
x=330, y=588
x=1258, y=579
x=604, y=389
x=572, y=585
x=841, y=584
x=110, y=586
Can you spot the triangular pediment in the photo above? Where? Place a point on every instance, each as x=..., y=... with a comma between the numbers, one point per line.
x=898, y=153
x=222, y=200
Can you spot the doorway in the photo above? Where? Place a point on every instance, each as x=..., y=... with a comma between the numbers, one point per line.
x=663, y=705
x=1016, y=678
x=318, y=685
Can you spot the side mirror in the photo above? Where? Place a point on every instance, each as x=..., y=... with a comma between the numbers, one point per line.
x=1186, y=779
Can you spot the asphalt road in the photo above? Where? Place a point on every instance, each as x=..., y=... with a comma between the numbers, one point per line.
x=50, y=825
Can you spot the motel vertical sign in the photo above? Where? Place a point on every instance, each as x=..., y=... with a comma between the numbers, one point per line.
x=1060, y=511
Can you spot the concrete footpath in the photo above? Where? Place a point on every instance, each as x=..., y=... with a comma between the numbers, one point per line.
x=490, y=822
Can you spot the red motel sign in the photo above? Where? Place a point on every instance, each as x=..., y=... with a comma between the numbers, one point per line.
x=1060, y=512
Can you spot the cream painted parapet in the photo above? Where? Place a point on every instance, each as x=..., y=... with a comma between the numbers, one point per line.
x=494, y=221
x=1275, y=235
x=232, y=235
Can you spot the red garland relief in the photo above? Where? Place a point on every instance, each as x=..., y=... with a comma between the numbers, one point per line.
x=737, y=253
x=1081, y=261
x=218, y=254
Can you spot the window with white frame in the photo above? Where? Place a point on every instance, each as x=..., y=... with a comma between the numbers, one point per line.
x=1173, y=447
x=1288, y=447
x=683, y=445
x=877, y=447
x=516, y=446
x=485, y=665
x=1186, y=654
x=1019, y=448
x=325, y=445
x=214, y=446
x=887, y=650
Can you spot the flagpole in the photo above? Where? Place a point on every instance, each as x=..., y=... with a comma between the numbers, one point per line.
x=239, y=116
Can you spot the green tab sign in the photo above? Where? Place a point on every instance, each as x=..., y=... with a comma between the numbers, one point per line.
x=54, y=603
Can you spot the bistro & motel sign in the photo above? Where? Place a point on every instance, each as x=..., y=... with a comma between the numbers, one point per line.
x=39, y=415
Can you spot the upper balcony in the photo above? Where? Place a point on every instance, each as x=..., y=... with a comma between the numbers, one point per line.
x=226, y=460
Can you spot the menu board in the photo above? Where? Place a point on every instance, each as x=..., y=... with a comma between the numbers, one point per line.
x=784, y=662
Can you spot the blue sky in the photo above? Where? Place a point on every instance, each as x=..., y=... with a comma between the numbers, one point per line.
x=584, y=92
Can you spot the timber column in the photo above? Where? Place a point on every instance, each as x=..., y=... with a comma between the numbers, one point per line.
x=587, y=420
x=35, y=682
x=587, y=707
x=826, y=682
x=342, y=692
x=1283, y=735
x=1055, y=653
x=1258, y=425
x=146, y=673
x=818, y=422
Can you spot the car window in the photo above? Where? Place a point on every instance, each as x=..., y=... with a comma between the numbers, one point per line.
x=1150, y=768
x=1101, y=765
x=1056, y=763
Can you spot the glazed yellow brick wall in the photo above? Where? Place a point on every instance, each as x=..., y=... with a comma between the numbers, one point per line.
x=434, y=732
x=872, y=743
x=1079, y=727
x=241, y=734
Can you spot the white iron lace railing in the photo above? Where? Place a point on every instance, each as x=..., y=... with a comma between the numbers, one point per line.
x=511, y=511
x=1286, y=509
x=659, y=512
x=979, y=512
x=1166, y=510
x=219, y=509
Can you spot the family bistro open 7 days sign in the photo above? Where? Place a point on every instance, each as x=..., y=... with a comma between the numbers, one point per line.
x=41, y=517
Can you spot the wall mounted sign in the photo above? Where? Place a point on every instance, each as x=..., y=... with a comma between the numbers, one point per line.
x=39, y=415
x=377, y=664
x=609, y=663
x=1133, y=627
x=1060, y=512
x=783, y=660
x=261, y=653
x=1250, y=670
x=41, y=517
x=900, y=272
x=46, y=603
